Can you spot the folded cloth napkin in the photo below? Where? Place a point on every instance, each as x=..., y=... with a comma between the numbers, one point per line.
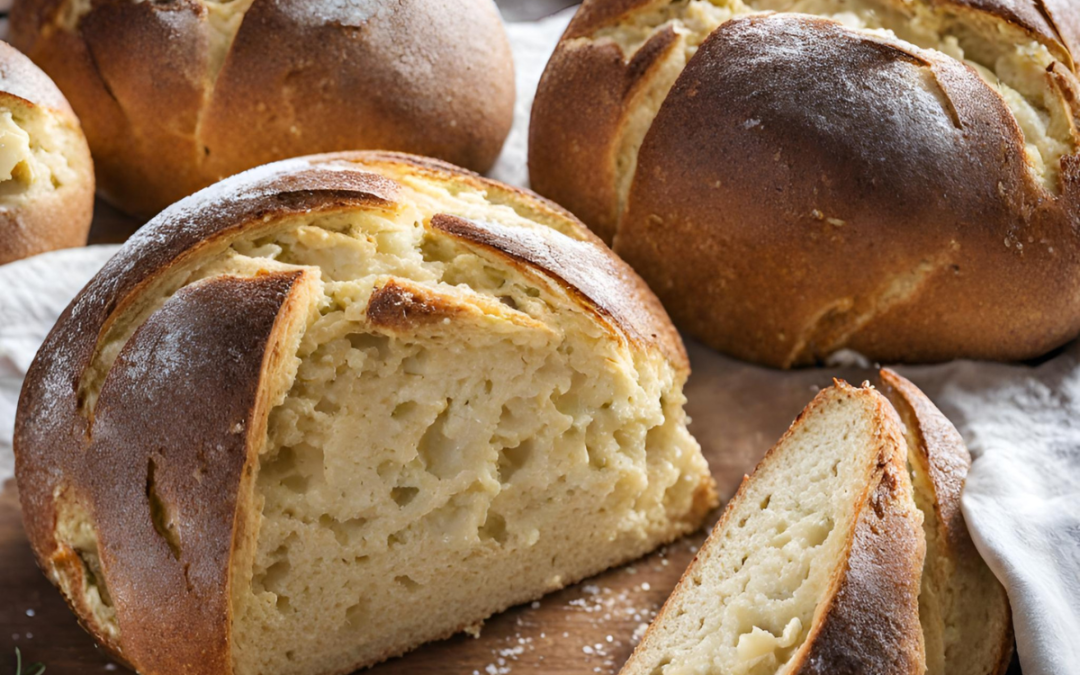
x=1022, y=499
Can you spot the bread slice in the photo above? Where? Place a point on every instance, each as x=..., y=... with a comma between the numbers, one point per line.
x=814, y=566
x=964, y=610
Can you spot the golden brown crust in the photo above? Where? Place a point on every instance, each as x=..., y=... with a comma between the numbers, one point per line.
x=573, y=148
x=59, y=218
x=208, y=351
x=49, y=221
x=592, y=16
x=21, y=78
x=164, y=518
x=871, y=625
x=1065, y=19
x=941, y=450
x=1051, y=22
x=165, y=116
x=823, y=229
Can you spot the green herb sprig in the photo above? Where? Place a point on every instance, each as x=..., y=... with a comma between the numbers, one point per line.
x=31, y=669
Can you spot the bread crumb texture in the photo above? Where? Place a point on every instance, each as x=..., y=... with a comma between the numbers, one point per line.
x=39, y=153
x=749, y=600
x=455, y=431
x=1008, y=60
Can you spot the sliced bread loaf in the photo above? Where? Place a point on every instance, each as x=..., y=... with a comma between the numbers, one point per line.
x=815, y=565
x=339, y=406
x=963, y=608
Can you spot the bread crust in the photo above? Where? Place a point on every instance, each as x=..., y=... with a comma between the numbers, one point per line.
x=869, y=622
x=942, y=455
x=205, y=351
x=885, y=289
x=779, y=230
x=166, y=114
x=117, y=456
x=59, y=218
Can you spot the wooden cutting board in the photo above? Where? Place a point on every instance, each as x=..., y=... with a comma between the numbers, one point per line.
x=737, y=412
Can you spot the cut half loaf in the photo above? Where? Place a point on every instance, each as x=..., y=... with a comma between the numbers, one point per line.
x=814, y=566
x=335, y=407
x=964, y=610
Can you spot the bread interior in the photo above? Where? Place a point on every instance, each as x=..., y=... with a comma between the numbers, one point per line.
x=39, y=153
x=223, y=18
x=1010, y=62
x=749, y=601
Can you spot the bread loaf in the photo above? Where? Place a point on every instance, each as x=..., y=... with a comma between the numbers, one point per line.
x=335, y=407
x=46, y=177
x=835, y=557
x=795, y=177
x=177, y=95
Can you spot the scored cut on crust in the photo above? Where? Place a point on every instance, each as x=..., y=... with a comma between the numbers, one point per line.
x=911, y=166
x=336, y=407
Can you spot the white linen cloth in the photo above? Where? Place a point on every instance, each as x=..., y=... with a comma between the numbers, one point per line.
x=1022, y=499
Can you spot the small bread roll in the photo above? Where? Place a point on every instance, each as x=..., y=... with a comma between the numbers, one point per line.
x=796, y=177
x=338, y=406
x=177, y=95
x=46, y=176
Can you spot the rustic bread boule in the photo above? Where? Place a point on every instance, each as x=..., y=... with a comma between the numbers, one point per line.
x=963, y=607
x=46, y=177
x=795, y=177
x=814, y=566
x=177, y=95
x=335, y=407
x=817, y=565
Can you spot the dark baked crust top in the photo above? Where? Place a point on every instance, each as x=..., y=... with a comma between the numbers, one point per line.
x=883, y=167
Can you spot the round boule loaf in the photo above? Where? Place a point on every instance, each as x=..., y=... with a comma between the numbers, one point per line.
x=335, y=407
x=177, y=95
x=46, y=176
x=797, y=177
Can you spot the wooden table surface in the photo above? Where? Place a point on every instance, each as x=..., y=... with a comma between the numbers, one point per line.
x=588, y=628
